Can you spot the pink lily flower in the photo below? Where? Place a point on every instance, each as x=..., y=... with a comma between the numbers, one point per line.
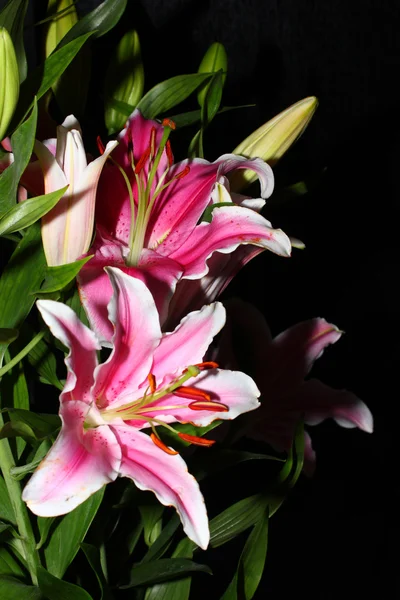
x=279, y=366
x=149, y=380
x=148, y=214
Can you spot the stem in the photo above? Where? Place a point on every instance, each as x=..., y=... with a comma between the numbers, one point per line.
x=21, y=512
x=14, y=361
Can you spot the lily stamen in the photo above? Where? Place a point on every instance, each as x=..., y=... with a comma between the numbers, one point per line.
x=197, y=441
x=212, y=406
x=160, y=444
x=192, y=393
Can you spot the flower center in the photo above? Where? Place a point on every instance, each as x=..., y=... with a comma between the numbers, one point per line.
x=147, y=189
x=143, y=408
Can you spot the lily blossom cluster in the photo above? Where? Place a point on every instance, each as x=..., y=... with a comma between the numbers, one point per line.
x=149, y=219
x=150, y=380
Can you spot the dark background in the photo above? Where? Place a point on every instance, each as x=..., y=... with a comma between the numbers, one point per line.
x=337, y=534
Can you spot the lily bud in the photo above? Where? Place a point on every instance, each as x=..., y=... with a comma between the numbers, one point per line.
x=60, y=25
x=213, y=61
x=9, y=81
x=124, y=81
x=274, y=138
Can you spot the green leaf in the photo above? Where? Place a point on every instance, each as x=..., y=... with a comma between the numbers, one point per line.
x=169, y=93
x=20, y=398
x=214, y=60
x=45, y=75
x=74, y=302
x=174, y=590
x=8, y=335
x=14, y=589
x=28, y=212
x=14, y=429
x=251, y=564
x=44, y=526
x=210, y=105
x=121, y=107
x=6, y=509
x=163, y=569
x=44, y=361
x=57, y=278
x=163, y=541
x=237, y=518
x=19, y=473
x=152, y=521
x=55, y=589
x=22, y=142
x=42, y=424
x=12, y=17
x=124, y=80
x=93, y=555
x=8, y=564
x=22, y=275
x=69, y=533
x=194, y=116
x=98, y=22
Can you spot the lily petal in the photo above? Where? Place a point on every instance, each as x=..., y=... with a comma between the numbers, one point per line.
x=137, y=334
x=234, y=389
x=190, y=340
x=167, y=476
x=82, y=344
x=159, y=273
x=230, y=227
x=79, y=463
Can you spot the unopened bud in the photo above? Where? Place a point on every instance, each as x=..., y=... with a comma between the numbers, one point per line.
x=9, y=81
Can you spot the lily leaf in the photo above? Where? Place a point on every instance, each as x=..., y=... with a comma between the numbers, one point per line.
x=55, y=589
x=45, y=75
x=174, y=590
x=44, y=361
x=163, y=541
x=162, y=570
x=98, y=22
x=152, y=521
x=56, y=278
x=14, y=589
x=22, y=142
x=12, y=17
x=69, y=533
x=8, y=564
x=8, y=335
x=19, y=473
x=93, y=556
x=28, y=212
x=167, y=94
x=251, y=564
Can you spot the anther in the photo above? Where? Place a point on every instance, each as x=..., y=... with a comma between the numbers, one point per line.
x=100, y=145
x=191, y=393
x=142, y=161
x=183, y=173
x=152, y=383
x=161, y=445
x=197, y=441
x=153, y=141
x=210, y=364
x=170, y=156
x=210, y=406
x=168, y=123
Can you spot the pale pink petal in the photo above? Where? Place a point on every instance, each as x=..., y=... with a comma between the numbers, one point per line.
x=159, y=273
x=137, y=334
x=189, y=342
x=229, y=228
x=234, y=389
x=318, y=402
x=6, y=143
x=82, y=344
x=167, y=476
x=80, y=462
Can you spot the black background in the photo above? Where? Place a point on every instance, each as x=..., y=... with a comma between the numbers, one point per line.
x=337, y=534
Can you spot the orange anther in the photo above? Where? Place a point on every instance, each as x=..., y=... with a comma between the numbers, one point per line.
x=191, y=393
x=211, y=406
x=197, y=441
x=153, y=141
x=170, y=156
x=142, y=161
x=183, y=173
x=210, y=364
x=168, y=123
x=161, y=445
x=152, y=383
x=100, y=145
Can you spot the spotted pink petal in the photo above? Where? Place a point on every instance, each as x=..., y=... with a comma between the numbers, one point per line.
x=159, y=273
x=82, y=344
x=234, y=389
x=189, y=342
x=179, y=208
x=230, y=227
x=137, y=334
x=80, y=462
x=167, y=476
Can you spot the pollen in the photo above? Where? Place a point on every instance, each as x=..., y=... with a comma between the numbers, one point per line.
x=191, y=393
x=211, y=406
x=197, y=441
x=162, y=446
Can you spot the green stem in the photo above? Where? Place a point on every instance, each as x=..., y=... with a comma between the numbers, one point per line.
x=14, y=361
x=21, y=512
